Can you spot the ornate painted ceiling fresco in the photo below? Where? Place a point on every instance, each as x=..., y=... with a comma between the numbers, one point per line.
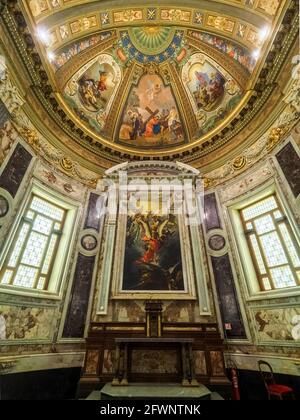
x=133, y=81
x=151, y=79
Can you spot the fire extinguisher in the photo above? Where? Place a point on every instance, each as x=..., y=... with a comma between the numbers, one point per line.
x=235, y=384
x=233, y=370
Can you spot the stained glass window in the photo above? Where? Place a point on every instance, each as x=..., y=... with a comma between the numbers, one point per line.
x=273, y=245
x=32, y=253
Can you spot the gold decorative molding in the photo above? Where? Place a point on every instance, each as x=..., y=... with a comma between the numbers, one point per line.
x=239, y=163
x=274, y=138
x=238, y=26
x=67, y=164
x=209, y=183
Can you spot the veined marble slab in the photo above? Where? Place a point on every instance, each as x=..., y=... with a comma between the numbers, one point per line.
x=284, y=365
x=34, y=362
x=155, y=391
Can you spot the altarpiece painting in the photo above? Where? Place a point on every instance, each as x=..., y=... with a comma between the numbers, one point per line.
x=153, y=257
x=152, y=253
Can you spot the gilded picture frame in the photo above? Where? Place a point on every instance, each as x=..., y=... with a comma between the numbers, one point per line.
x=184, y=291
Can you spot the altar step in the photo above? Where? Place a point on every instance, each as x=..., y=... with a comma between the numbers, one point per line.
x=146, y=391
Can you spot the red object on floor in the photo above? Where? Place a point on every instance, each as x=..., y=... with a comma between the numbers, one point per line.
x=279, y=389
x=273, y=389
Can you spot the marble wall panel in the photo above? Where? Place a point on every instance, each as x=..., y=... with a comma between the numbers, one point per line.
x=24, y=323
x=15, y=170
x=155, y=361
x=212, y=220
x=200, y=362
x=94, y=212
x=91, y=364
x=108, y=361
x=228, y=300
x=289, y=162
x=79, y=298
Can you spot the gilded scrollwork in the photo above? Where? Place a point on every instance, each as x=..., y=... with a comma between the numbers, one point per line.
x=67, y=164
x=274, y=137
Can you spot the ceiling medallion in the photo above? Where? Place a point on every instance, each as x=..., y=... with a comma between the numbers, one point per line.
x=151, y=39
x=67, y=164
x=150, y=44
x=239, y=163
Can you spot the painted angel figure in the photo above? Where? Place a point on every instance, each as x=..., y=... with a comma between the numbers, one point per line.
x=150, y=240
x=153, y=90
x=153, y=233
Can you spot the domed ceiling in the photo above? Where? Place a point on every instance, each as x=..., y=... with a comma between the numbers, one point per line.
x=150, y=79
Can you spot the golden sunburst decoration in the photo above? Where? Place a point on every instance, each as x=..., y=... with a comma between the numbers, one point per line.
x=152, y=39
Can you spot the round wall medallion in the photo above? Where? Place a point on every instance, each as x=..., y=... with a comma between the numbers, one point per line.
x=239, y=163
x=89, y=242
x=217, y=242
x=4, y=206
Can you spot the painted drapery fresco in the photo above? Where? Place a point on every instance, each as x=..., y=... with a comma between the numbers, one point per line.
x=152, y=254
x=151, y=116
x=90, y=92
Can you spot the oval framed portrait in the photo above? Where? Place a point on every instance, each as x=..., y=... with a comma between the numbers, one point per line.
x=4, y=206
x=217, y=242
x=89, y=242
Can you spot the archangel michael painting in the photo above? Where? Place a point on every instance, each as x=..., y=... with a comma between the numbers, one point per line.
x=152, y=254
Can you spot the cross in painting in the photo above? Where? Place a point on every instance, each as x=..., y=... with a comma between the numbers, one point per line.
x=152, y=114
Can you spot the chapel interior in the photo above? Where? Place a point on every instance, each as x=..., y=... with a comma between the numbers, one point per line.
x=149, y=199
